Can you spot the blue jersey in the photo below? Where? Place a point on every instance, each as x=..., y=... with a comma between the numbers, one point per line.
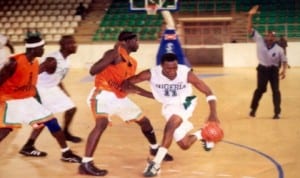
x=170, y=44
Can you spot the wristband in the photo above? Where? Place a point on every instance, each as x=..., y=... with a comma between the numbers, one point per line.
x=210, y=98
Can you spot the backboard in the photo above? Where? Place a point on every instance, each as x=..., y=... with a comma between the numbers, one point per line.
x=151, y=6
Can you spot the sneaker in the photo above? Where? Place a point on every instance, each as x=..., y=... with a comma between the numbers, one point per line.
x=167, y=157
x=276, y=116
x=151, y=169
x=70, y=157
x=72, y=138
x=207, y=145
x=89, y=169
x=252, y=113
x=32, y=151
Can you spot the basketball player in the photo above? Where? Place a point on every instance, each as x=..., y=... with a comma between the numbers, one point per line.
x=4, y=42
x=270, y=56
x=18, y=80
x=107, y=99
x=53, y=94
x=170, y=83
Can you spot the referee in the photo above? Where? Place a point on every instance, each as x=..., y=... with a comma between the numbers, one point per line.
x=271, y=56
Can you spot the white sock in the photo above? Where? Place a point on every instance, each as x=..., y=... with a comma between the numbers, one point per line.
x=65, y=149
x=161, y=153
x=155, y=146
x=87, y=159
x=198, y=135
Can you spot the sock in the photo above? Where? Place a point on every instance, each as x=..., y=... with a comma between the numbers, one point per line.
x=161, y=153
x=198, y=135
x=154, y=146
x=150, y=135
x=65, y=149
x=87, y=159
x=29, y=143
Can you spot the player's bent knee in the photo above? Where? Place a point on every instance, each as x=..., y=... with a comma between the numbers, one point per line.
x=52, y=125
x=183, y=145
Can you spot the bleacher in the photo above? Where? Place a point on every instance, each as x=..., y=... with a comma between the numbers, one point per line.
x=280, y=16
x=118, y=18
x=277, y=15
x=51, y=18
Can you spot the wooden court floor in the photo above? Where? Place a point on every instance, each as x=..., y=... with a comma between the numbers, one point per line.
x=252, y=148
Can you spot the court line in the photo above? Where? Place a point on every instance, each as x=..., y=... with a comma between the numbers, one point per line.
x=276, y=164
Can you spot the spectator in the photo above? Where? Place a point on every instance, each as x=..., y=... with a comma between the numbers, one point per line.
x=81, y=10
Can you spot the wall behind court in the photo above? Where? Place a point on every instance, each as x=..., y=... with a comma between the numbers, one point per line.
x=234, y=54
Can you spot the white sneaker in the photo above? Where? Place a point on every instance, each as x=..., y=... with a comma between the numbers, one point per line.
x=152, y=169
x=207, y=145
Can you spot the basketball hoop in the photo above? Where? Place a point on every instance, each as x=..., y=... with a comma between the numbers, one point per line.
x=151, y=9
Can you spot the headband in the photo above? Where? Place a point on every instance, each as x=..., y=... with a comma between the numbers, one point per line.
x=127, y=37
x=34, y=45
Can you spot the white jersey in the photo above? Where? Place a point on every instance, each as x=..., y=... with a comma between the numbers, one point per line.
x=62, y=68
x=3, y=53
x=169, y=91
x=268, y=57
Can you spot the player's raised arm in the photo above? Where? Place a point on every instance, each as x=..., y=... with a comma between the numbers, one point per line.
x=108, y=58
x=251, y=12
x=7, y=71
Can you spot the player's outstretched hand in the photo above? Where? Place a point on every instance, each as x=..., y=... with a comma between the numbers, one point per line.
x=253, y=10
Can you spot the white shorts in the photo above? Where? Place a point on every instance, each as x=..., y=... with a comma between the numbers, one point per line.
x=185, y=114
x=23, y=111
x=106, y=103
x=55, y=99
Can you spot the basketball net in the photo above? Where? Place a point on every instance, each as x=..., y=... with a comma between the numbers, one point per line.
x=152, y=9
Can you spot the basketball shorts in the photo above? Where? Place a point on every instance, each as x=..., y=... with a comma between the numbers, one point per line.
x=55, y=99
x=185, y=113
x=106, y=103
x=14, y=113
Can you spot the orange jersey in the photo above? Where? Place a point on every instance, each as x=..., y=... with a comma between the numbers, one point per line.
x=22, y=83
x=113, y=75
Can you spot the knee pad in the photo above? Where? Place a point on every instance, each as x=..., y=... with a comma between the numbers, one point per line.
x=52, y=125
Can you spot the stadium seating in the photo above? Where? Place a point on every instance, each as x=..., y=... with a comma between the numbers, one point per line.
x=52, y=18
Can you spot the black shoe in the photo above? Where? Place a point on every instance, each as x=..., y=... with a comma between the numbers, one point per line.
x=72, y=138
x=207, y=146
x=31, y=151
x=70, y=157
x=89, y=169
x=252, y=113
x=276, y=116
x=167, y=157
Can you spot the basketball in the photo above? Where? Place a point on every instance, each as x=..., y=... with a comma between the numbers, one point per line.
x=212, y=132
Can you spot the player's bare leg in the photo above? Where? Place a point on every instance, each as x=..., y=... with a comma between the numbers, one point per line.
x=87, y=166
x=153, y=167
x=68, y=117
x=4, y=132
x=149, y=133
x=29, y=149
